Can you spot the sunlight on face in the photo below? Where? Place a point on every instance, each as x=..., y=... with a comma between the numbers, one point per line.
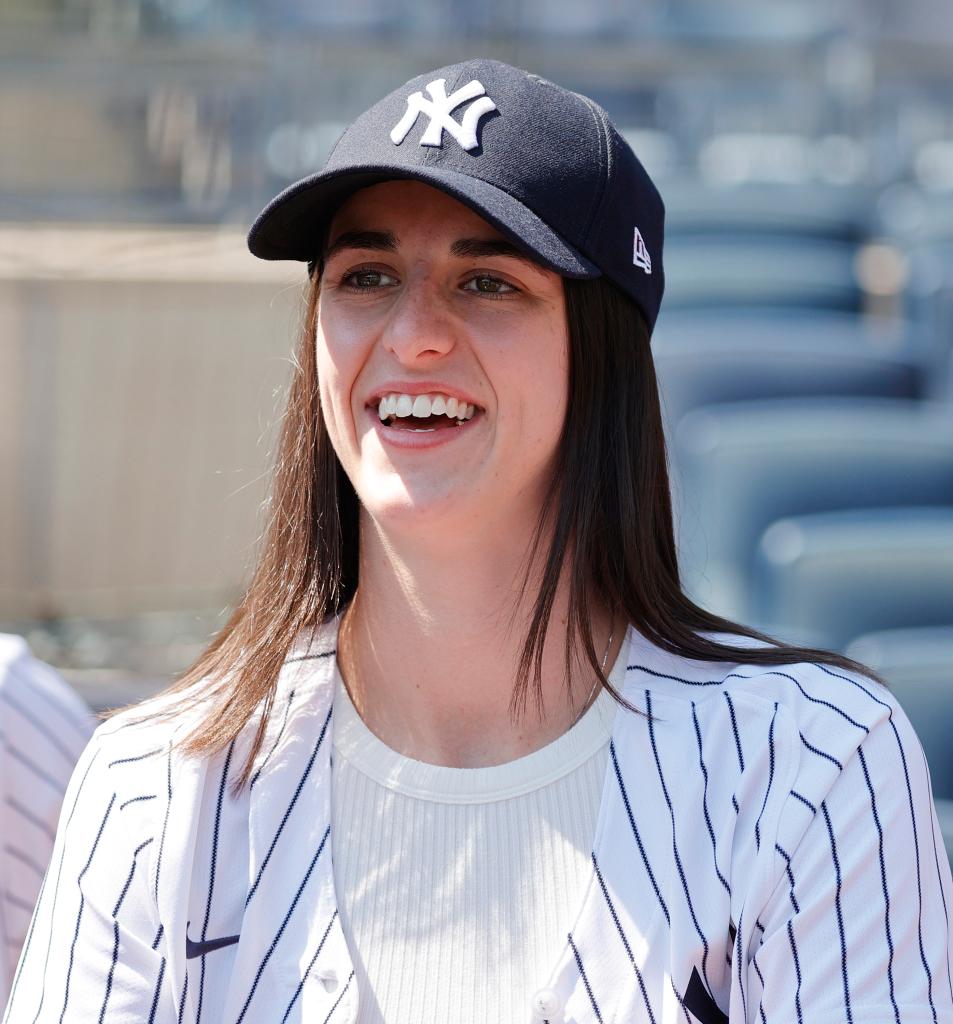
x=426, y=306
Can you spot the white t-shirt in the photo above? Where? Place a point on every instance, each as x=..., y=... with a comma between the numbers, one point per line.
x=449, y=872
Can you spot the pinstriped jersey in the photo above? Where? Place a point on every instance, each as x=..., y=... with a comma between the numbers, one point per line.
x=44, y=727
x=766, y=851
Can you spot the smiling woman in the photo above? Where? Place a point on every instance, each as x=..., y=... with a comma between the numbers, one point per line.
x=349, y=809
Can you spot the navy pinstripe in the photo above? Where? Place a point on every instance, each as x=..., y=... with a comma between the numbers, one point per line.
x=625, y=941
x=839, y=912
x=49, y=942
x=804, y=800
x=211, y=873
x=739, y=960
x=136, y=759
x=797, y=968
x=165, y=819
x=675, y=853
x=767, y=792
x=310, y=968
x=757, y=969
x=337, y=1002
x=708, y=824
x=158, y=990
x=79, y=915
x=185, y=992
x=916, y=858
x=946, y=915
x=821, y=753
x=284, y=923
x=883, y=881
x=281, y=732
x=635, y=831
x=290, y=808
x=116, y=909
x=734, y=729
x=585, y=981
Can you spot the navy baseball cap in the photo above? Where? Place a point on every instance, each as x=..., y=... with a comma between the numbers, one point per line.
x=543, y=165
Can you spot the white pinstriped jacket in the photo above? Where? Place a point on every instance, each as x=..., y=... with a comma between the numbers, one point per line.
x=766, y=851
x=44, y=727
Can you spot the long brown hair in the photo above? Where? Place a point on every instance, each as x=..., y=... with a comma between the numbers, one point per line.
x=606, y=524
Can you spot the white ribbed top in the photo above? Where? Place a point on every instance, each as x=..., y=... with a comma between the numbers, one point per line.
x=457, y=886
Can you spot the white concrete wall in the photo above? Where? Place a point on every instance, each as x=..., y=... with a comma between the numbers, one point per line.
x=142, y=376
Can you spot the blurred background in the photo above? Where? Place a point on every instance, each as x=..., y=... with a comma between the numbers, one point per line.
x=805, y=347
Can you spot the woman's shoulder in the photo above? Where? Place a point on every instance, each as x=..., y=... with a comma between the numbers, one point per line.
x=803, y=719
x=144, y=746
x=807, y=692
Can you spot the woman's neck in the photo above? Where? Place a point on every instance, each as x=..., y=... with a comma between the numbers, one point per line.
x=429, y=650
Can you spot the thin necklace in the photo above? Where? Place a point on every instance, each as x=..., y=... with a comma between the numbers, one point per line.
x=605, y=658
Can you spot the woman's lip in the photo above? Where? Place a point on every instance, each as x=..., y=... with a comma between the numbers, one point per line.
x=402, y=437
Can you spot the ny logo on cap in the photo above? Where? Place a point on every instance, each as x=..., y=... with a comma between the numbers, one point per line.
x=640, y=253
x=438, y=109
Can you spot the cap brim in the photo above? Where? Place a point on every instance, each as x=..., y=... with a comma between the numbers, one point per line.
x=289, y=228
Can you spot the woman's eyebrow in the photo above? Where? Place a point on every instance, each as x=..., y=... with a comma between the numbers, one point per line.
x=462, y=248
x=382, y=241
x=479, y=248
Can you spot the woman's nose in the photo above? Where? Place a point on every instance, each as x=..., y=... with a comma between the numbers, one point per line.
x=420, y=327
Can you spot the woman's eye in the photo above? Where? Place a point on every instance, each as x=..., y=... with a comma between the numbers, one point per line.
x=366, y=280
x=488, y=285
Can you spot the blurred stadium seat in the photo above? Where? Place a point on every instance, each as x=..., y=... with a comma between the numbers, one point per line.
x=766, y=270
x=810, y=210
x=740, y=466
x=836, y=575
x=731, y=359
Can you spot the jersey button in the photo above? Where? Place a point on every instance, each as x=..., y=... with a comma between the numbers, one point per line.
x=546, y=1005
x=328, y=978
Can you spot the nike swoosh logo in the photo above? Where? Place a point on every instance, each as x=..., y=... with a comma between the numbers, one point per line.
x=194, y=949
x=699, y=1003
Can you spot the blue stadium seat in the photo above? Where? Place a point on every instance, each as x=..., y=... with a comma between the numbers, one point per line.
x=836, y=575
x=740, y=466
x=766, y=208
x=749, y=358
x=768, y=270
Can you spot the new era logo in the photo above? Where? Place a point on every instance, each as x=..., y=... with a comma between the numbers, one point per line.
x=640, y=253
x=439, y=108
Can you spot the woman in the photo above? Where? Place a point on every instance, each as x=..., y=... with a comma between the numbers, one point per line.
x=399, y=786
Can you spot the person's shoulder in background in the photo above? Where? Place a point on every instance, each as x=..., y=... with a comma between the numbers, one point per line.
x=44, y=727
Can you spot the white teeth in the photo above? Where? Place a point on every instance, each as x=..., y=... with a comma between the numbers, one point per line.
x=423, y=406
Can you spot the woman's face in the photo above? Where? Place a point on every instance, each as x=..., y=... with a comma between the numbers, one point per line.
x=426, y=306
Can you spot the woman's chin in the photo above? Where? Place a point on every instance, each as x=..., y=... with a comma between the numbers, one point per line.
x=423, y=505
